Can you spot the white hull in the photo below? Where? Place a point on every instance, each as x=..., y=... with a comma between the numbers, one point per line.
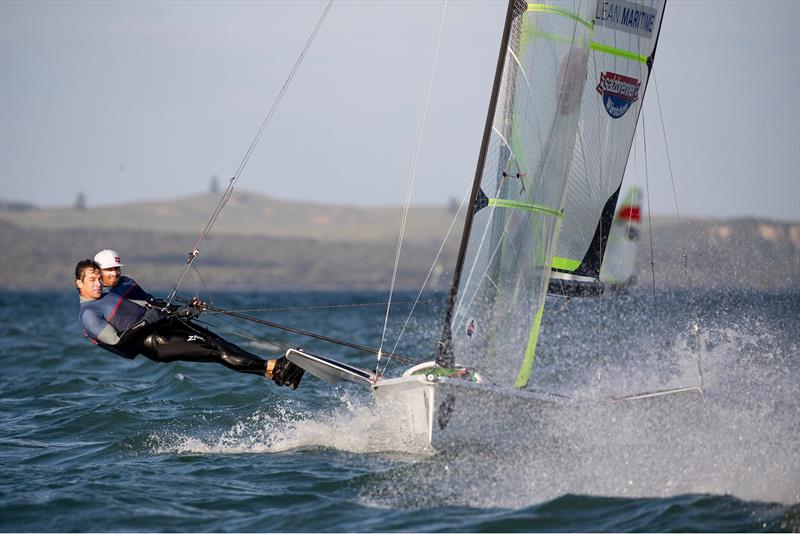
x=450, y=412
x=445, y=412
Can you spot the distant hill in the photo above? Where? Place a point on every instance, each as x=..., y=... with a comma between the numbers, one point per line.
x=262, y=243
x=11, y=206
x=36, y=258
x=245, y=214
x=747, y=253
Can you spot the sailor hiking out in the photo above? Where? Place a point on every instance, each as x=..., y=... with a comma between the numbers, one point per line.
x=121, y=317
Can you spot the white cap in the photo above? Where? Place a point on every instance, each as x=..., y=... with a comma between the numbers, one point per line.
x=108, y=259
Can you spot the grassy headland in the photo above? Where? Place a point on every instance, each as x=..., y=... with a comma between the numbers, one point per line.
x=263, y=243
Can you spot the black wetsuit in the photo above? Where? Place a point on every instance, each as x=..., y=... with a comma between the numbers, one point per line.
x=182, y=340
x=123, y=324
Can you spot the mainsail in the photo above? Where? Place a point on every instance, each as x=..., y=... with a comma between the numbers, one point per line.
x=518, y=196
x=622, y=52
x=511, y=230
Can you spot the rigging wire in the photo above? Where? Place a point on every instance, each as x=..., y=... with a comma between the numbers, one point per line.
x=326, y=306
x=695, y=328
x=302, y=332
x=649, y=211
x=229, y=190
x=251, y=334
x=203, y=282
x=425, y=282
x=672, y=180
x=412, y=179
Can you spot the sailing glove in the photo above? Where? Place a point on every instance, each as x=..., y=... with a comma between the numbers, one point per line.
x=285, y=373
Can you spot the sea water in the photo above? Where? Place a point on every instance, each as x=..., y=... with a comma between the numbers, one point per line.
x=94, y=442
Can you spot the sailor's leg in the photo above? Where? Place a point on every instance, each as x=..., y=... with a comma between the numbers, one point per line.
x=182, y=341
x=281, y=371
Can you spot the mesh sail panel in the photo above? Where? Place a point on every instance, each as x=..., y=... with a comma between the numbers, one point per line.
x=625, y=34
x=518, y=211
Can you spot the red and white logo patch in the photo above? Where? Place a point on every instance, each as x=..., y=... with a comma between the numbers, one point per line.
x=618, y=92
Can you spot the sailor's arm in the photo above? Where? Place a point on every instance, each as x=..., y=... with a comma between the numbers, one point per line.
x=97, y=327
x=188, y=311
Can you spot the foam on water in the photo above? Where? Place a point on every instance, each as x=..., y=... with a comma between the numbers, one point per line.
x=353, y=426
x=739, y=438
x=196, y=447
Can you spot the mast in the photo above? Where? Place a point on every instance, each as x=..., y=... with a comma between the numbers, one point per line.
x=444, y=353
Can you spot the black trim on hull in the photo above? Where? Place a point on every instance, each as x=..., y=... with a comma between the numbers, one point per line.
x=573, y=288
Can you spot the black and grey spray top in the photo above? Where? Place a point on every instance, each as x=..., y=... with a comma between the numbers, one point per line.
x=129, y=289
x=105, y=319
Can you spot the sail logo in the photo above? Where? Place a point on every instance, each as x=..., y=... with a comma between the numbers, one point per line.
x=626, y=16
x=618, y=93
x=472, y=327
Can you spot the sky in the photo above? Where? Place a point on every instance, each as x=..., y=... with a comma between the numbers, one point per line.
x=127, y=101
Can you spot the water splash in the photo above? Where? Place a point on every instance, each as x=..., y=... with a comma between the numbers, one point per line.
x=354, y=426
x=741, y=438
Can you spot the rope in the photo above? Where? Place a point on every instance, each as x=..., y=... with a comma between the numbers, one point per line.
x=251, y=335
x=649, y=212
x=301, y=332
x=412, y=179
x=695, y=328
x=205, y=287
x=672, y=180
x=326, y=306
x=229, y=190
x=425, y=282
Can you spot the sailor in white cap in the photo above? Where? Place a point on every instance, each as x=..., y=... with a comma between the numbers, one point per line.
x=126, y=320
x=108, y=259
x=112, y=279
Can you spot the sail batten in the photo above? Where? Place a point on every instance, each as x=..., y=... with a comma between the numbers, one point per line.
x=530, y=351
x=528, y=206
x=620, y=52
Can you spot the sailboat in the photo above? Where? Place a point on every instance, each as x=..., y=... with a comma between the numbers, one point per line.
x=619, y=264
x=563, y=109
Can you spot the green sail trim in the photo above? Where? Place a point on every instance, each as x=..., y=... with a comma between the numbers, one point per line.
x=617, y=52
x=594, y=45
x=565, y=264
x=526, y=206
x=555, y=10
x=530, y=351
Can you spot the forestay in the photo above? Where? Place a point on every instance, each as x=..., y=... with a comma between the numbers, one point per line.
x=518, y=204
x=622, y=53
